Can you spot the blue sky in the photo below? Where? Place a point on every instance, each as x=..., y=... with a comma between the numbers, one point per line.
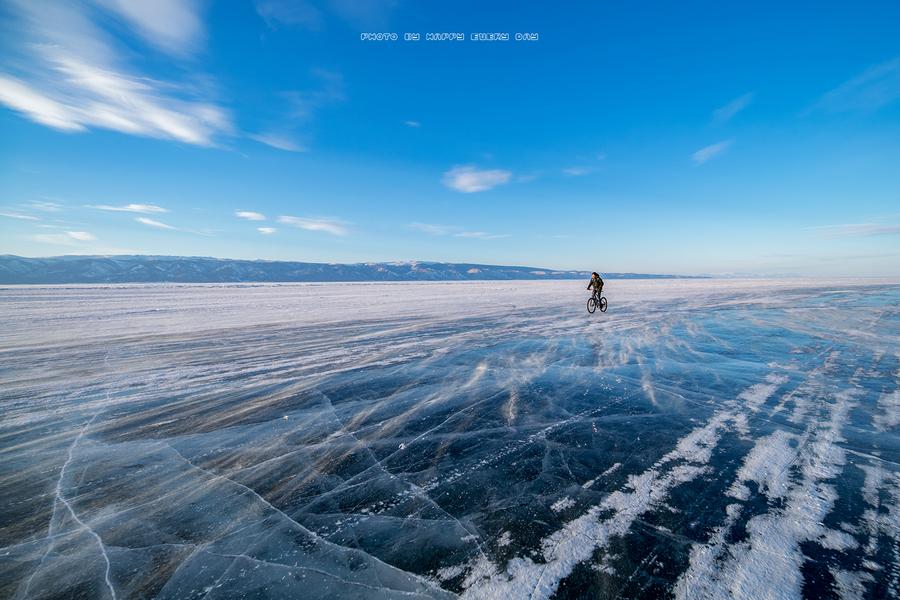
x=693, y=137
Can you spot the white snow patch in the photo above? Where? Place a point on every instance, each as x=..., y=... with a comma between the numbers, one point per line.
x=768, y=464
x=705, y=559
x=755, y=396
x=771, y=558
x=448, y=573
x=605, y=473
x=889, y=417
x=576, y=541
x=850, y=584
x=562, y=504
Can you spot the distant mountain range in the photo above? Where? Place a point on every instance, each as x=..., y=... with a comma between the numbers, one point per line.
x=189, y=269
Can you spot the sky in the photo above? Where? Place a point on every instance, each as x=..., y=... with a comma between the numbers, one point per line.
x=700, y=137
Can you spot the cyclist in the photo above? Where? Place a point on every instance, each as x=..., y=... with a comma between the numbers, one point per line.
x=597, y=284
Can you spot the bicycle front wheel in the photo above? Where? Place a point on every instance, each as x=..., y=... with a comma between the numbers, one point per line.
x=592, y=305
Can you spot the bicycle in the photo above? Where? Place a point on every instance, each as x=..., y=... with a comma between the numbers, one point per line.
x=595, y=301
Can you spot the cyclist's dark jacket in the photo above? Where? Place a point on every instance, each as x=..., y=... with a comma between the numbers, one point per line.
x=596, y=283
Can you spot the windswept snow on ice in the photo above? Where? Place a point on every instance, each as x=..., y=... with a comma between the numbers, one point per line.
x=769, y=562
x=579, y=538
x=702, y=439
x=888, y=416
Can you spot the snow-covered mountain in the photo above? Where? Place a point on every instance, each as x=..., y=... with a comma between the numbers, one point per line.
x=182, y=269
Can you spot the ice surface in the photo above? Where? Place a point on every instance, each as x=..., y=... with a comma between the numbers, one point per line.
x=701, y=439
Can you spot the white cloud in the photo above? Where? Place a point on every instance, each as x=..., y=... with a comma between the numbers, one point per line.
x=45, y=206
x=71, y=77
x=80, y=246
x=266, y=230
x=480, y=235
x=298, y=107
x=290, y=13
x=872, y=89
x=153, y=223
x=859, y=230
x=412, y=123
x=173, y=26
x=455, y=231
x=69, y=238
x=332, y=226
x=13, y=215
x=366, y=15
x=302, y=104
x=725, y=113
x=432, y=229
x=278, y=141
x=59, y=239
x=135, y=208
x=33, y=104
x=250, y=215
x=468, y=178
x=704, y=154
x=577, y=171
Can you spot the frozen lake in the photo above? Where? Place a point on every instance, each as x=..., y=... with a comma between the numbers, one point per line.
x=702, y=439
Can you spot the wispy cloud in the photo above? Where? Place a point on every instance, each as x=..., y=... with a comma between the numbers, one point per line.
x=368, y=15
x=585, y=166
x=153, y=223
x=266, y=230
x=250, y=215
x=279, y=142
x=432, y=229
x=80, y=242
x=872, y=89
x=45, y=206
x=709, y=152
x=297, y=107
x=15, y=215
x=58, y=239
x=134, y=208
x=412, y=123
x=455, y=231
x=71, y=76
x=290, y=13
x=468, y=178
x=173, y=26
x=69, y=238
x=327, y=225
x=577, y=171
x=726, y=113
x=858, y=230
x=329, y=88
x=310, y=14
x=480, y=235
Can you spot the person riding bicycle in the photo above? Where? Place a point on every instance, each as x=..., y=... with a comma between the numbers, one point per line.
x=596, y=283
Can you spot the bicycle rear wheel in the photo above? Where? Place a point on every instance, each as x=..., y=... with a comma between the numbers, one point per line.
x=592, y=305
x=603, y=304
